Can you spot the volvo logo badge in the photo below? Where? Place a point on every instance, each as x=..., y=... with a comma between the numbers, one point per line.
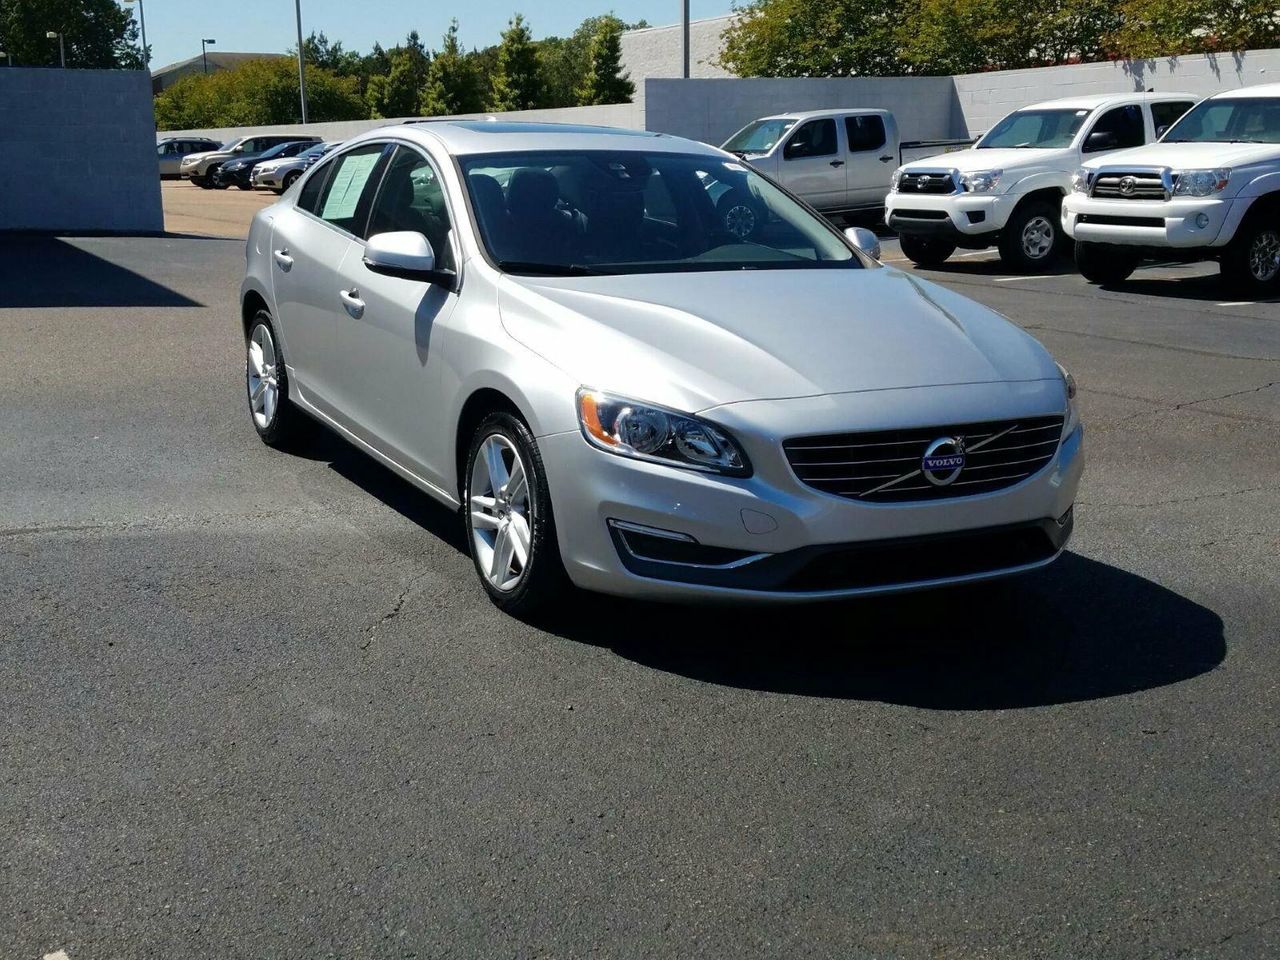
x=943, y=460
x=1127, y=186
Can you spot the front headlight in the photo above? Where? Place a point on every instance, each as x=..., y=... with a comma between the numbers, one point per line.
x=1080, y=180
x=1200, y=183
x=1069, y=384
x=895, y=179
x=643, y=431
x=981, y=181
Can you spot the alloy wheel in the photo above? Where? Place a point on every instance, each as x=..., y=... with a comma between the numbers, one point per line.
x=1037, y=238
x=1264, y=256
x=740, y=220
x=264, y=383
x=501, y=531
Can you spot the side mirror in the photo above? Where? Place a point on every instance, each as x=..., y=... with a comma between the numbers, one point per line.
x=1161, y=131
x=864, y=240
x=406, y=254
x=1100, y=140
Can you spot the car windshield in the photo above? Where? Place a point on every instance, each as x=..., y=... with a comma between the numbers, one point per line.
x=232, y=144
x=275, y=151
x=1035, y=130
x=758, y=136
x=1253, y=120
x=314, y=153
x=602, y=212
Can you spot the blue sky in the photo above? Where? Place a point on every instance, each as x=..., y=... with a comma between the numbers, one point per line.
x=174, y=27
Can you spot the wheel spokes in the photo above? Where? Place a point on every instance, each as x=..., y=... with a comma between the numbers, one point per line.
x=516, y=485
x=494, y=463
x=520, y=536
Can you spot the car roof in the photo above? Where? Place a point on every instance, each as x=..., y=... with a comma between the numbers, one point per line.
x=462, y=137
x=1093, y=101
x=1261, y=90
x=817, y=114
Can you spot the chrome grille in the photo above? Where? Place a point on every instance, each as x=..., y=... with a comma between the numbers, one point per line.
x=936, y=181
x=1122, y=185
x=884, y=467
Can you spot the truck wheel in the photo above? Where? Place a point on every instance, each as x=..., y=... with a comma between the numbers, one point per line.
x=739, y=216
x=1032, y=238
x=1104, y=262
x=925, y=251
x=1252, y=262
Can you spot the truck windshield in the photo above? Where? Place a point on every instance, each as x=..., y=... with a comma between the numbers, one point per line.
x=1035, y=130
x=758, y=136
x=586, y=212
x=1253, y=120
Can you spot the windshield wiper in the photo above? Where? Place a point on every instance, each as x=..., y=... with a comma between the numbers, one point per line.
x=550, y=269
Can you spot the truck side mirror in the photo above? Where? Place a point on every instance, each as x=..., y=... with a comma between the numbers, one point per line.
x=1100, y=140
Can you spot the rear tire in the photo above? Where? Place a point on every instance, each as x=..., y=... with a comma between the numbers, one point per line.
x=1251, y=262
x=1032, y=239
x=925, y=251
x=1105, y=263
x=508, y=513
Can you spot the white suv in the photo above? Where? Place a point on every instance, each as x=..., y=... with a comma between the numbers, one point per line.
x=1007, y=190
x=1210, y=189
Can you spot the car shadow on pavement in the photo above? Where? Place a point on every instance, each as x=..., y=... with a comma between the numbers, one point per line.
x=39, y=271
x=1079, y=630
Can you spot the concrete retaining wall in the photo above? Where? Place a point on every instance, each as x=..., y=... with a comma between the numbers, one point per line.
x=79, y=151
x=983, y=98
x=610, y=115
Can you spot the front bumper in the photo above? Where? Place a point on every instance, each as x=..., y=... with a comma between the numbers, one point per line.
x=775, y=539
x=959, y=216
x=1179, y=223
x=265, y=180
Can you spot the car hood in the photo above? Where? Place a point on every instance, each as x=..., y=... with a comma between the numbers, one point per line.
x=201, y=155
x=1191, y=155
x=971, y=161
x=695, y=340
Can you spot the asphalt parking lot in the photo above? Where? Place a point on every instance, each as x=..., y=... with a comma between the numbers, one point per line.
x=255, y=703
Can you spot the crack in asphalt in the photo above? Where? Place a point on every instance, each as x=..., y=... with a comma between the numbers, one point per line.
x=1215, y=354
x=1161, y=503
x=1186, y=951
x=1185, y=405
x=396, y=606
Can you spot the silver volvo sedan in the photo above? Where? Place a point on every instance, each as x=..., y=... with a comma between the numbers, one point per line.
x=548, y=328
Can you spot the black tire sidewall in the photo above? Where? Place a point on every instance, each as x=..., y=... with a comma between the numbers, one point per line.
x=544, y=577
x=1235, y=262
x=280, y=428
x=1011, y=251
x=1104, y=263
x=925, y=251
x=289, y=181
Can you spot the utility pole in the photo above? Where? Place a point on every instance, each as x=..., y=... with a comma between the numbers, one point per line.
x=684, y=39
x=62, y=47
x=302, y=70
x=142, y=21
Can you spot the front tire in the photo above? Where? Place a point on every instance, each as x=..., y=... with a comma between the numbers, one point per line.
x=1251, y=263
x=289, y=180
x=267, y=384
x=510, y=528
x=925, y=251
x=1105, y=263
x=1032, y=239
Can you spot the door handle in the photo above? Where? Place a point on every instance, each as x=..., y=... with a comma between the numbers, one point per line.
x=837, y=163
x=351, y=300
x=886, y=158
x=282, y=258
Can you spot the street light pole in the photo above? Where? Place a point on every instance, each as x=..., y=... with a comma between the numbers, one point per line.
x=302, y=70
x=142, y=20
x=204, y=52
x=684, y=36
x=62, y=47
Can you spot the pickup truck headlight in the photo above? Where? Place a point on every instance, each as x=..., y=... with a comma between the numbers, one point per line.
x=981, y=181
x=1080, y=180
x=895, y=179
x=643, y=431
x=1200, y=183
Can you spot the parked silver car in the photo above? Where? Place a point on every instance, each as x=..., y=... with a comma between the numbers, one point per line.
x=279, y=175
x=172, y=150
x=549, y=328
x=200, y=168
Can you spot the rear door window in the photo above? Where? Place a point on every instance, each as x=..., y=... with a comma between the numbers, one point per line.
x=865, y=132
x=1165, y=115
x=347, y=192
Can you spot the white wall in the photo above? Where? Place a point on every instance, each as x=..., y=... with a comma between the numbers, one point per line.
x=79, y=151
x=983, y=98
x=610, y=115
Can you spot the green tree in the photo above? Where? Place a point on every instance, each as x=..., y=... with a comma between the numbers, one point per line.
x=1160, y=28
x=256, y=93
x=604, y=80
x=321, y=53
x=97, y=34
x=517, y=80
x=452, y=85
x=397, y=93
x=815, y=38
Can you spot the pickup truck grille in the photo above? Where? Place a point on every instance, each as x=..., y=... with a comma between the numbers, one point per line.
x=1113, y=185
x=925, y=182
x=885, y=466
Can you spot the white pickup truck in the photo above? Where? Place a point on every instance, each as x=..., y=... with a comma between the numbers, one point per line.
x=1209, y=190
x=1007, y=190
